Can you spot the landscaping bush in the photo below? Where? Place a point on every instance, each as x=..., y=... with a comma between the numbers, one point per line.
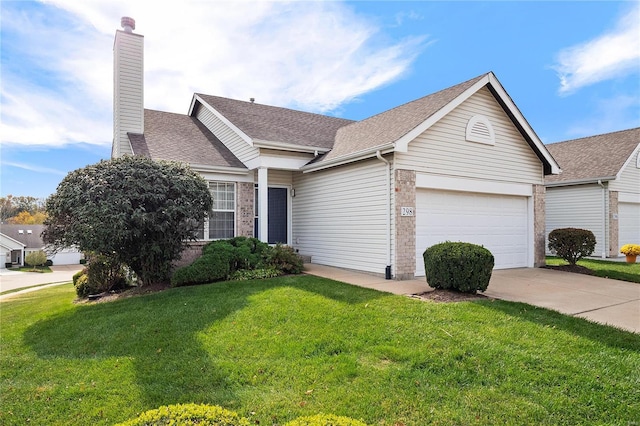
x=247, y=253
x=255, y=274
x=572, y=244
x=35, y=258
x=460, y=266
x=325, y=420
x=208, y=268
x=102, y=274
x=188, y=414
x=285, y=259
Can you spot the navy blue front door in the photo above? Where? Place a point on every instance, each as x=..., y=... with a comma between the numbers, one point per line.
x=278, y=212
x=278, y=215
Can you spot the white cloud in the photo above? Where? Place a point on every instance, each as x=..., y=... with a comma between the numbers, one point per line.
x=613, y=54
x=310, y=55
x=612, y=114
x=33, y=168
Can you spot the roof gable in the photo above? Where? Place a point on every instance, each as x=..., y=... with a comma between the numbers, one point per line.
x=264, y=123
x=594, y=157
x=179, y=137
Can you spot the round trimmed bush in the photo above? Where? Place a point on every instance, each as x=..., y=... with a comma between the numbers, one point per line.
x=458, y=266
x=188, y=414
x=208, y=268
x=325, y=420
x=572, y=244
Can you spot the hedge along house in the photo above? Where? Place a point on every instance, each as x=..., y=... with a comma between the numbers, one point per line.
x=598, y=190
x=461, y=164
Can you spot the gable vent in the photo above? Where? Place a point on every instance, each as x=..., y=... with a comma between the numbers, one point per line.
x=479, y=129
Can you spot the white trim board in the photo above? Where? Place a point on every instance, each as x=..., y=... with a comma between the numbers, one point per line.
x=450, y=183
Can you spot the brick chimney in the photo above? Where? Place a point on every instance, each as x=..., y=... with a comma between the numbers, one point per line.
x=128, y=87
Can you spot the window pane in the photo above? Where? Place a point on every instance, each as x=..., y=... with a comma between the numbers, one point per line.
x=221, y=225
x=222, y=214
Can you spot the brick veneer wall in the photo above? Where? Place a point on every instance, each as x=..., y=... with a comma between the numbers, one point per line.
x=405, y=230
x=614, y=225
x=245, y=212
x=539, y=227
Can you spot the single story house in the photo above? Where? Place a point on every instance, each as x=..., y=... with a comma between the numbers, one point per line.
x=461, y=164
x=598, y=190
x=30, y=237
x=11, y=251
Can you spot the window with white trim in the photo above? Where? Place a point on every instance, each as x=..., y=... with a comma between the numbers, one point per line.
x=221, y=220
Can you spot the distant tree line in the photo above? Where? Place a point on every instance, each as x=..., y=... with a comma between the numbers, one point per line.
x=22, y=210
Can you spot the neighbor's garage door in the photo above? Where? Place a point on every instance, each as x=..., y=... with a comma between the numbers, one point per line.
x=497, y=222
x=629, y=221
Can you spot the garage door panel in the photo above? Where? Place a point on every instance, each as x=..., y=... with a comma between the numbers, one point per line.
x=499, y=223
x=629, y=222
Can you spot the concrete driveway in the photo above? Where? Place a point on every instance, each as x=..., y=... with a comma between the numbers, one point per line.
x=12, y=280
x=602, y=300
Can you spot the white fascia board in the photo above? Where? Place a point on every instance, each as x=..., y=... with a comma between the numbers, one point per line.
x=282, y=146
x=628, y=161
x=450, y=183
x=513, y=109
x=275, y=162
x=627, y=197
x=579, y=181
x=351, y=158
x=224, y=119
x=402, y=144
x=227, y=177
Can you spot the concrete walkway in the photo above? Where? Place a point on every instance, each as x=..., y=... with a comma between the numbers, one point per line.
x=602, y=300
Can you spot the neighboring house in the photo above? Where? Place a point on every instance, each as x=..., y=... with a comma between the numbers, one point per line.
x=461, y=164
x=598, y=190
x=30, y=237
x=11, y=251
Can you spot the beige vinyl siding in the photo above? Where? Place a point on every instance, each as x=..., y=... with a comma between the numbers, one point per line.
x=577, y=207
x=443, y=150
x=629, y=178
x=278, y=177
x=238, y=146
x=339, y=216
x=128, y=105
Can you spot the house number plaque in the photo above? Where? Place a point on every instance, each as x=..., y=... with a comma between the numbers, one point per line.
x=406, y=211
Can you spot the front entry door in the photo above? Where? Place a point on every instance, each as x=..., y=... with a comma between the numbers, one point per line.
x=278, y=215
x=278, y=212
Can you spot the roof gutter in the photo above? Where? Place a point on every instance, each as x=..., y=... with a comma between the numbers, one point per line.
x=597, y=180
x=357, y=156
x=219, y=169
x=283, y=146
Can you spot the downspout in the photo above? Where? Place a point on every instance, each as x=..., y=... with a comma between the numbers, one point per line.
x=387, y=271
x=604, y=219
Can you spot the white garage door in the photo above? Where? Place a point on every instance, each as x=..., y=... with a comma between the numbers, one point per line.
x=65, y=258
x=498, y=222
x=629, y=220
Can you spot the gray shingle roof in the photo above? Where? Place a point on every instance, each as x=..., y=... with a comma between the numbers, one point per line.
x=593, y=157
x=31, y=240
x=276, y=124
x=178, y=137
x=391, y=125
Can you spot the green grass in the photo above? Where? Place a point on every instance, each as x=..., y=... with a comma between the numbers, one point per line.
x=605, y=268
x=281, y=348
x=41, y=269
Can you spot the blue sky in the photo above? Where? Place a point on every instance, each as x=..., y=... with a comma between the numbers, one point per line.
x=573, y=68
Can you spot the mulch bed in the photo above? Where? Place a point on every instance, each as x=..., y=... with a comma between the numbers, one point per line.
x=448, y=296
x=576, y=269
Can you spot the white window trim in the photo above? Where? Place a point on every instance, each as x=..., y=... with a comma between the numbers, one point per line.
x=235, y=208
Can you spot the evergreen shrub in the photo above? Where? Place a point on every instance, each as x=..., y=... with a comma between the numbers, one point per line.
x=458, y=266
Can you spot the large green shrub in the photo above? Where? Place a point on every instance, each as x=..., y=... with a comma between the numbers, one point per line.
x=572, y=244
x=460, y=266
x=188, y=414
x=247, y=253
x=210, y=267
x=325, y=420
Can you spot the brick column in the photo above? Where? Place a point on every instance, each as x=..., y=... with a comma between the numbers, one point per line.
x=405, y=229
x=539, y=227
x=245, y=214
x=614, y=226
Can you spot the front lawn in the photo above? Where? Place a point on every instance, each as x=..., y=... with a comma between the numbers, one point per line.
x=605, y=268
x=277, y=349
x=41, y=269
